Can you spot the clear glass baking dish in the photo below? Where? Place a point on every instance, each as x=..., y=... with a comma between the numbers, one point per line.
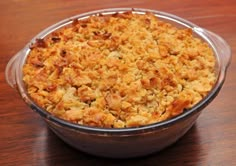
x=125, y=142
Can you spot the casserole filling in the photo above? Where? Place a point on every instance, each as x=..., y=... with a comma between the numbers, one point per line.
x=120, y=70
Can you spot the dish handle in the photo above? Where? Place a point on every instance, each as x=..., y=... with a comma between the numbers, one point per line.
x=11, y=68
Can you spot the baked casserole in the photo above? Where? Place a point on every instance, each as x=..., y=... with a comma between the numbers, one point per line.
x=119, y=70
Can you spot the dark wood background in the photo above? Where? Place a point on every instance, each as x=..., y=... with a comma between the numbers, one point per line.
x=26, y=140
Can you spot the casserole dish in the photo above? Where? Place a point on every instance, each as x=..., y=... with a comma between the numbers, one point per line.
x=133, y=141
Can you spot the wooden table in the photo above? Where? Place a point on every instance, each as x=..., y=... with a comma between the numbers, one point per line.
x=25, y=138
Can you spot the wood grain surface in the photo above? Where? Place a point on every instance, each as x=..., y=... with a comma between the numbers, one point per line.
x=26, y=140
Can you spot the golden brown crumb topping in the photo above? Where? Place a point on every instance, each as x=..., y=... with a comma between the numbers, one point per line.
x=121, y=70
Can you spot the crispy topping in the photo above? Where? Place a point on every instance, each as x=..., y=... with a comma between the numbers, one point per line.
x=56, y=39
x=40, y=43
x=119, y=70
